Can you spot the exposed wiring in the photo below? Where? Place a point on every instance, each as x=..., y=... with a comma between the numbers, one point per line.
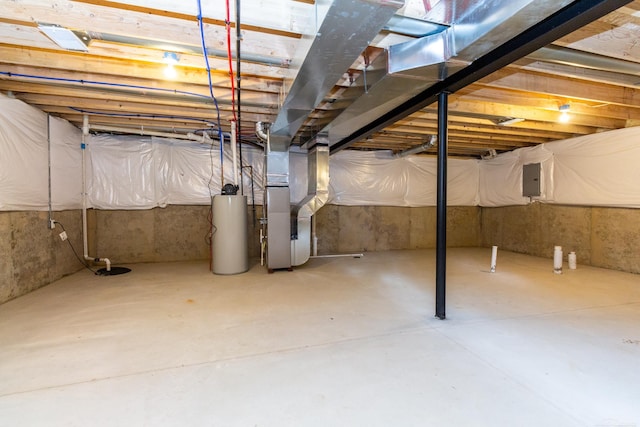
x=74, y=250
x=208, y=67
x=206, y=59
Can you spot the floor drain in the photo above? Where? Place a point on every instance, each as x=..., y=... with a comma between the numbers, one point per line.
x=113, y=272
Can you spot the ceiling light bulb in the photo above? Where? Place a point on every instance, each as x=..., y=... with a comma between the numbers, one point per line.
x=170, y=72
x=171, y=59
x=564, y=113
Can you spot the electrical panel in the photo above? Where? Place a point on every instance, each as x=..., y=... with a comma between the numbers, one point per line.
x=531, y=180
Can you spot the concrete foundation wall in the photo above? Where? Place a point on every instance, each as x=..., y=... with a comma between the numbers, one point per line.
x=345, y=229
x=174, y=233
x=601, y=237
x=32, y=255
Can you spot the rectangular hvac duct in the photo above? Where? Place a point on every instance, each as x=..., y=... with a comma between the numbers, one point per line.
x=347, y=29
x=469, y=31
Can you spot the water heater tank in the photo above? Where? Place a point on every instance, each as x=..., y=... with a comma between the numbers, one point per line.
x=229, y=242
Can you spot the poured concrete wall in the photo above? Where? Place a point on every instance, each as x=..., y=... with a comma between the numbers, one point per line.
x=345, y=229
x=31, y=255
x=602, y=237
x=174, y=233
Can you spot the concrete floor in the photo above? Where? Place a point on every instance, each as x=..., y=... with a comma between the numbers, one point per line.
x=337, y=342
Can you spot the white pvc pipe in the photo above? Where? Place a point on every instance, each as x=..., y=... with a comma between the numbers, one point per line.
x=573, y=261
x=85, y=132
x=85, y=240
x=141, y=131
x=52, y=223
x=221, y=161
x=557, y=259
x=494, y=257
x=234, y=153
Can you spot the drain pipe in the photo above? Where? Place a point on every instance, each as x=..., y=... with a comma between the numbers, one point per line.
x=85, y=241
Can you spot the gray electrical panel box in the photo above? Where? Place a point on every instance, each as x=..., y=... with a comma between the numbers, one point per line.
x=531, y=180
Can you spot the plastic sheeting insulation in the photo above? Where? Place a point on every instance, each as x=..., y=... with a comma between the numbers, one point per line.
x=594, y=170
x=370, y=178
x=147, y=172
x=143, y=172
x=24, y=180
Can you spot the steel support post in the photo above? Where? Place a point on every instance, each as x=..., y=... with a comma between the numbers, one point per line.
x=441, y=235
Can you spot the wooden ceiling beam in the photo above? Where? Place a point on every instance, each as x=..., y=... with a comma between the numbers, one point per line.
x=564, y=88
x=110, y=18
x=580, y=73
x=549, y=103
x=458, y=132
x=40, y=73
x=468, y=105
x=114, y=94
x=523, y=128
x=179, y=123
x=89, y=63
x=142, y=10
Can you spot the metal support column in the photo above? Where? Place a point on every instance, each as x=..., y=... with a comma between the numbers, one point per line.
x=441, y=236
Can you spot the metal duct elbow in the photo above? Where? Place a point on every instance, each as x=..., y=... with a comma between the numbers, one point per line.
x=261, y=131
x=419, y=149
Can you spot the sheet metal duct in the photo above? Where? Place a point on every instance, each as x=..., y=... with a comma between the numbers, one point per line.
x=470, y=30
x=347, y=29
x=532, y=36
x=317, y=196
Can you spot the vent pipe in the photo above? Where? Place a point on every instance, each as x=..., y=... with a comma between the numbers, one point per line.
x=419, y=149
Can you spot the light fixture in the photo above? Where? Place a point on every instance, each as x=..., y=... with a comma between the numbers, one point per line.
x=508, y=121
x=65, y=38
x=564, y=113
x=171, y=59
x=489, y=154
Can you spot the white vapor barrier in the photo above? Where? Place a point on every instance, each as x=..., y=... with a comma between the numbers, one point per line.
x=600, y=169
x=594, y=170
x=370, y=178
x=24, y=159
x=501, y=177
x=146, y=172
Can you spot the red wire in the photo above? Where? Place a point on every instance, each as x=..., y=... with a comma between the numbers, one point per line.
x=233, y=86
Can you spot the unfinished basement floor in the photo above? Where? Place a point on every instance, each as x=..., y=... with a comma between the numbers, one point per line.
x=336, y=342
